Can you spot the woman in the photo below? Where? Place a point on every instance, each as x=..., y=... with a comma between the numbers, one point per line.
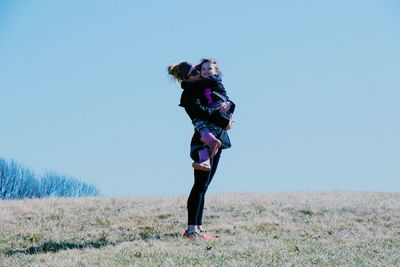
x=195, y=106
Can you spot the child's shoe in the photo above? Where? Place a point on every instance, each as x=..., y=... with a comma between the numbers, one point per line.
x=204, y=161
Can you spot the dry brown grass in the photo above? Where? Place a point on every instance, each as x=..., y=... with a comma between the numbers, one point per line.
x=290, y=229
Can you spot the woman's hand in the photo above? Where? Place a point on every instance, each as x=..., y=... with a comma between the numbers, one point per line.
x=224, y=107
x=230, y=125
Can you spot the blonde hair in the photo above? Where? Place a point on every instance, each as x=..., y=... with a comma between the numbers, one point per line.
x=212, y=61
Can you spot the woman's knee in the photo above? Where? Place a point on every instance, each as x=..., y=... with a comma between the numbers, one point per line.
x=201, y=185
x=201, y=188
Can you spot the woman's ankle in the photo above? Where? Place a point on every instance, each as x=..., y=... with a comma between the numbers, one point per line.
x=192, y=229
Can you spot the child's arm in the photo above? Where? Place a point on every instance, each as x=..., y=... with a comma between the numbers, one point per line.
x=218, y=87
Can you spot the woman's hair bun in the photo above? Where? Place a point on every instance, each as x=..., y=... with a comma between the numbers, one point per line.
x=171, y=69
x=180, y=70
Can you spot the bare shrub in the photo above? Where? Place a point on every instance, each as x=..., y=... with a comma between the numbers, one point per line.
x=18, y=182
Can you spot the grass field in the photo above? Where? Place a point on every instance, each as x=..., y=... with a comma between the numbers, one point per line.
x=258, y=229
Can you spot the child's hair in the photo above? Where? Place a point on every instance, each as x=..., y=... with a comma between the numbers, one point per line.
x=212, y=61
x=180, y=70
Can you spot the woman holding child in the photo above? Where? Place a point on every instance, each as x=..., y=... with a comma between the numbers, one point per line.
x=205, y=101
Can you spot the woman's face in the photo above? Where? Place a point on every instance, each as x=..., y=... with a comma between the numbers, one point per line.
x=194, y=75
x=208, y=69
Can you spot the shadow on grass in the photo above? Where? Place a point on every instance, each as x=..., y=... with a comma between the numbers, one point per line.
x=52, y=246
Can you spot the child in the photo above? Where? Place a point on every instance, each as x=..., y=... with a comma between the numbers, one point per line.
x=207, y=88
x=214, y=94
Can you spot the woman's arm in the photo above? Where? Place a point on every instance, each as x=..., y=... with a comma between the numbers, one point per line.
x=195, y=109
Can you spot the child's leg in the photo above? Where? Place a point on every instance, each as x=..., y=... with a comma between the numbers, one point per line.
x=200, y=126
x=207, y=137
x=212, y=142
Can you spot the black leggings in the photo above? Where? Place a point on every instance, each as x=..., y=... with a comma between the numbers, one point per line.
x=202, y=180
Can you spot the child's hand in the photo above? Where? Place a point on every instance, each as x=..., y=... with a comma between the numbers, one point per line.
x=224, y=107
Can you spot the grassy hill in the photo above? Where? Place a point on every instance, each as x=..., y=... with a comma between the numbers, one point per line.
x=258, y=229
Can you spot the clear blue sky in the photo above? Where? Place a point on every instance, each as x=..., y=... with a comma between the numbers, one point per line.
x=84, y=91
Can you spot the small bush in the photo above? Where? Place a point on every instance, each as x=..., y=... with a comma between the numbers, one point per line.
x=18, y=182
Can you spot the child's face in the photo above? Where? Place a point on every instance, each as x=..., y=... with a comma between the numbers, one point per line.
x=208, y=69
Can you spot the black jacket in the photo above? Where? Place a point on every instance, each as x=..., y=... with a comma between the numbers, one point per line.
x=213, y=82
x=195, y=105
